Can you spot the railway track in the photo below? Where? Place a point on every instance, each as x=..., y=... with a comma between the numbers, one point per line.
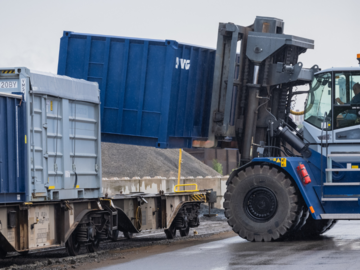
x=59, y=256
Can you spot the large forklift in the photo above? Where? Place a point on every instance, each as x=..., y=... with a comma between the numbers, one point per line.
x=291, y=182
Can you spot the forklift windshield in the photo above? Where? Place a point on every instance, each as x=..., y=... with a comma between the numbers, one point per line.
x=345, y=101
x=319, y=99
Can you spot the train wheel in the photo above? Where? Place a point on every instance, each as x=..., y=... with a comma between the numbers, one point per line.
x=72, y=245
x=261, y=204
x=3, y=254
x=170, y=233
x=128, y=235
x=94, y=246
x=115, y=235
x=185, y=232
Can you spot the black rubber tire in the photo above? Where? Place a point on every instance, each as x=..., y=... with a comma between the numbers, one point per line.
x=94, y=246
x=283, y=219
x=303, y=219
x=331, y=225
x=304, y=215
x=73, y=248
x=314, y=228
x=185, y=232
x=297, y=222
x=295, y=234
x=128, y=235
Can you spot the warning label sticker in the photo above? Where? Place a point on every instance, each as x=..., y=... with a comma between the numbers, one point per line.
x=283, y=162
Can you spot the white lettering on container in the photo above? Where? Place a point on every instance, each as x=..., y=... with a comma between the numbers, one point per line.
x=184, y=64
x=8, y=84
x=23, y=85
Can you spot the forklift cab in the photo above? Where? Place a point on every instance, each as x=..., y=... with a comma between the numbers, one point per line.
x=335, y=93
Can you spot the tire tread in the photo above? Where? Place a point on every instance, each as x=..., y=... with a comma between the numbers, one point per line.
x=293, y=217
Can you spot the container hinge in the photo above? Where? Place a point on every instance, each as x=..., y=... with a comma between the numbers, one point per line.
x=55, y=167
x=45, y=126
x=74, y=167
x=96, y=167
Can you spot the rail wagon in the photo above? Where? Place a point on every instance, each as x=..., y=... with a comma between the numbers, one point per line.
x=50, y=171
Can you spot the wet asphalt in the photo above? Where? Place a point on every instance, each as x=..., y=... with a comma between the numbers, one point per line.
x=337, y=249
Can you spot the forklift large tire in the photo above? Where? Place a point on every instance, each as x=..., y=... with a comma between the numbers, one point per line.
x=261, y=204
x=314, y=228
x=303, y=218
x=299, y=221
x=294, y=233
x=331, y=225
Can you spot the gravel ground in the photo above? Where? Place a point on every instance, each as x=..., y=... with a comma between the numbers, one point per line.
x=59, y=259
x=120, y=160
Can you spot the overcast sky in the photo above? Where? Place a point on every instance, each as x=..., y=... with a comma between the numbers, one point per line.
x=30, y=31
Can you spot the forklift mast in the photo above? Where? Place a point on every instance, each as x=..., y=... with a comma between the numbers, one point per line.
x=253, y=88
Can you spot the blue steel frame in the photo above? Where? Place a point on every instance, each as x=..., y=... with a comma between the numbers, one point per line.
x=313, y=192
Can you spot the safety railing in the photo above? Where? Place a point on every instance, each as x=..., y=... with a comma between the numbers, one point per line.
x=177, y=188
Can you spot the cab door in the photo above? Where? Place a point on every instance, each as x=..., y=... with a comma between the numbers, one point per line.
x=317, y=127
x=346, y=108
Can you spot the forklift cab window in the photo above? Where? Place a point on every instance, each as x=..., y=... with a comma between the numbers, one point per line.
x=319, y=100
x=347, y=99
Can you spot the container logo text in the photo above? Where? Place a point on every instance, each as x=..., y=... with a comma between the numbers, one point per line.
x=23, y=85
x=184, y=64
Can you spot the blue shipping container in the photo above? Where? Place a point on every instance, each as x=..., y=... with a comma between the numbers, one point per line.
x=13, y=154
x=153, y=92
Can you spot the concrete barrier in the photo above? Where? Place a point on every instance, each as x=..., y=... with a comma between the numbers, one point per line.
x=125, y=185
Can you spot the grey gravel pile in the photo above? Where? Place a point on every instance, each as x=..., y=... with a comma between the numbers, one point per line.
x=120, y=160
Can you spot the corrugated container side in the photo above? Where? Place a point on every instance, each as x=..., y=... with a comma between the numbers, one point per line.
x=70, y=143
x=191, y=93
x=65, y=138
x=13, y=155
x=50, y=139
x=153, y=92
